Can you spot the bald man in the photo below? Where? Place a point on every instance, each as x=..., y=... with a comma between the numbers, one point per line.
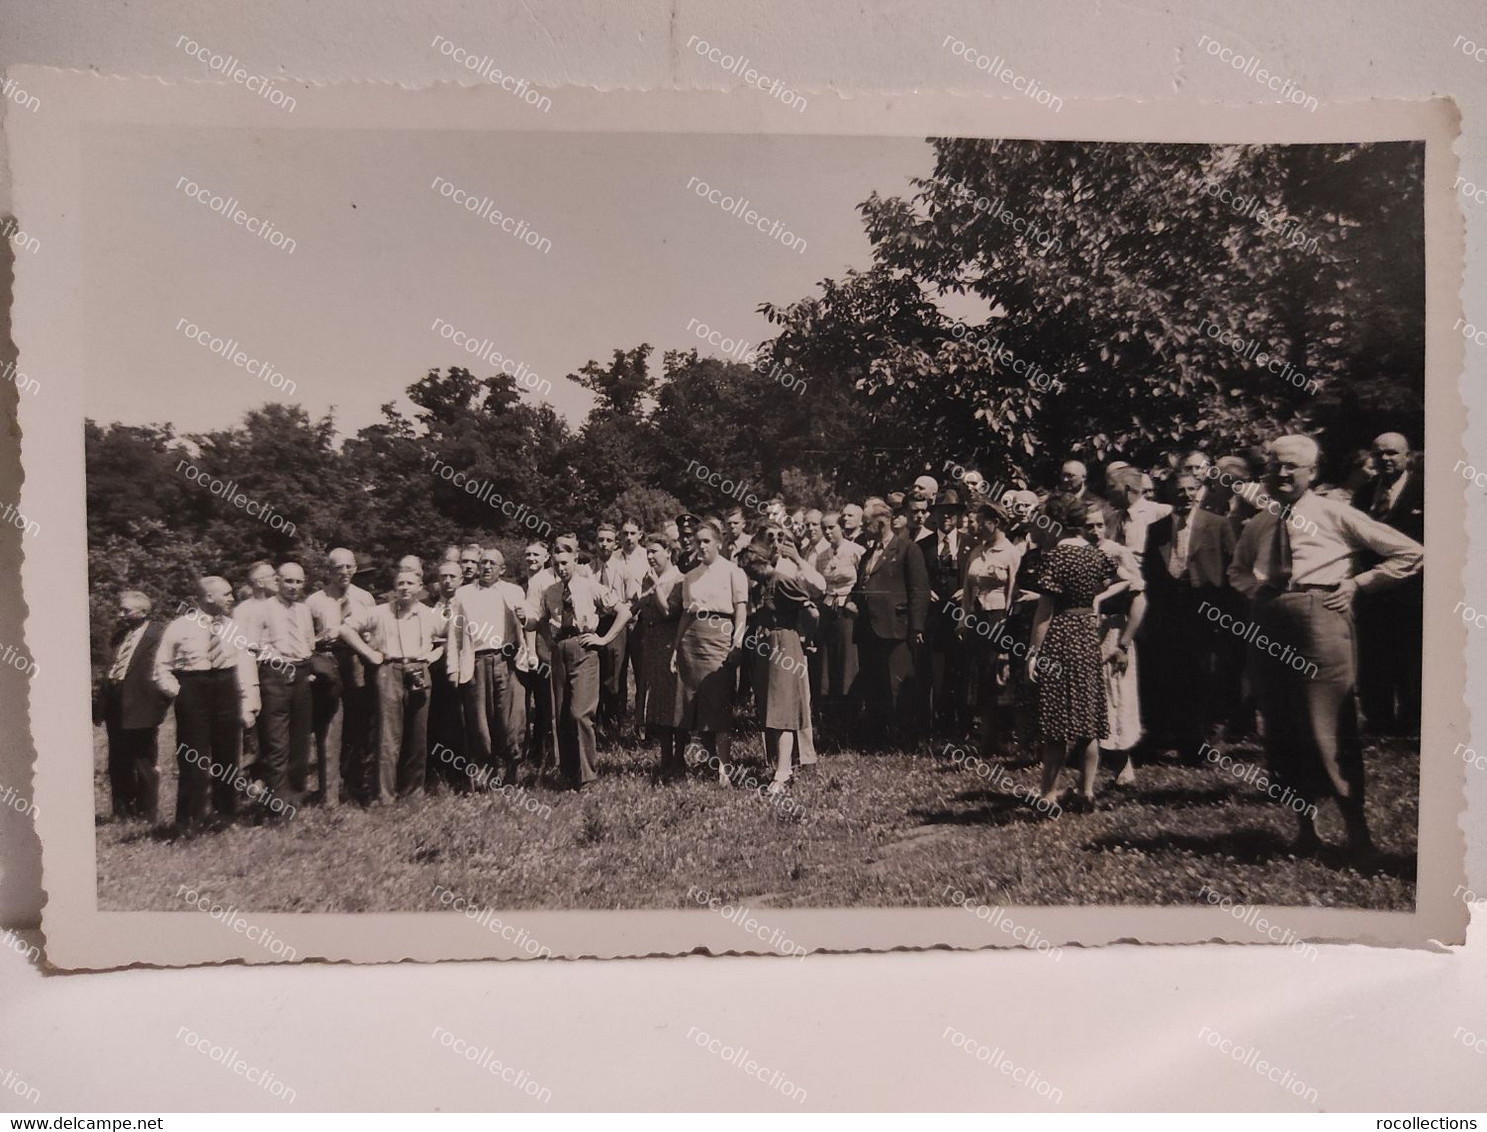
x=1295, y=562
x=204, y=664
x=1391, y=624
x=399, y=641
x=343, y=697
x=282, y=630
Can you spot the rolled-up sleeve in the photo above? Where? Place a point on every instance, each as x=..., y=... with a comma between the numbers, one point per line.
x=1402, y=556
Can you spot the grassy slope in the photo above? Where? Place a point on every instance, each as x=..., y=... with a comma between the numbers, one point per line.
x=870, y=830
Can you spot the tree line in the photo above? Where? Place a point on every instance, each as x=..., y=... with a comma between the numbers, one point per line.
x=1125, y=290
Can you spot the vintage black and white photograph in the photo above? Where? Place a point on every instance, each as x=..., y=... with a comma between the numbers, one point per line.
x=503, y=521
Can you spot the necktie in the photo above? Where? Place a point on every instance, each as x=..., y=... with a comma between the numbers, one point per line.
x=126, y=653
x=1178, y=564
x=217, y=647
x=1280, y=556
x=570, y=617
x=945, y=552
x=1381, y=501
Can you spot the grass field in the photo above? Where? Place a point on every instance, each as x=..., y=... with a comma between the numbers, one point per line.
x=875, y=830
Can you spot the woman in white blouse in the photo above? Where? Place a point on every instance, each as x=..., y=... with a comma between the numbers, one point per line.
x=986, y=598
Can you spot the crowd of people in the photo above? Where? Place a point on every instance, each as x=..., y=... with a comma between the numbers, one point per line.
x=1140, y=623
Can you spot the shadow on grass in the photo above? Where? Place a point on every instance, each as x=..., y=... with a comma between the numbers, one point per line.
x=990, y=807
x=1259, y=847
x=1176, y=796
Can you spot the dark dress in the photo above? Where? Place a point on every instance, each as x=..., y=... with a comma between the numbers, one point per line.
x=780, y=689
x=658, y=618
x=1071, y=685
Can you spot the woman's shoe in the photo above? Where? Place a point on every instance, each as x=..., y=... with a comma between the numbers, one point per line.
x=779, y=786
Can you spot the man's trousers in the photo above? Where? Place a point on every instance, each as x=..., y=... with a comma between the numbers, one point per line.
x=402, y=735
x=575, y=697
x=344, y=720
x=446, y=730
x=134, y=780
x=1307, y=697
x=285, y=728
x=614, y=685
x=885, y=678
x=209, y=735
x=495, y=717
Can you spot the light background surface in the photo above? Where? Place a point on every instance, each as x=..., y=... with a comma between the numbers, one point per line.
x=1113, y=1028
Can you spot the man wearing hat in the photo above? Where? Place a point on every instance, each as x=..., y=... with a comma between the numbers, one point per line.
x=687, y=556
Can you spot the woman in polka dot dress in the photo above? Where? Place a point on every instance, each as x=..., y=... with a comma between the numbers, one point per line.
x=1064, y=660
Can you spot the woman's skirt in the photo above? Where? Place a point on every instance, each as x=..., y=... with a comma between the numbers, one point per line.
x=705, y=690
x=1071, y=680
x=662, y=704
x=1120, y=691
x=781, y=693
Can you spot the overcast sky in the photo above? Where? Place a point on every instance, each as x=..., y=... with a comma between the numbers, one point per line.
x=380, y=255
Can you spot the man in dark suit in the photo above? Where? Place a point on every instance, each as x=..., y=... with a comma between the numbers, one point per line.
x=1186, y=563
x=1073, y=478
x=1390, y=622
x=944, y=552
x=892, y=596
x=131, y=707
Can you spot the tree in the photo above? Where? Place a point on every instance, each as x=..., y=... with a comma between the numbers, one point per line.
x=1113, y=279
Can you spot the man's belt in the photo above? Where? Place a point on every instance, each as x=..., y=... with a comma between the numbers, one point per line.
x=1307, y=588
x=190, y=673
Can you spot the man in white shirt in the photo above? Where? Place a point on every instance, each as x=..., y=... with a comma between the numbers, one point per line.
x=282, y=632
x=203, y=663
x=1295, y=562
x=399, y=641
x=485, y=633
x=263, y=582
x=1130, y=512
x=343, y=698
x=537, y=678
x=626, y=576
x=623, y=579
x=569, y=613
